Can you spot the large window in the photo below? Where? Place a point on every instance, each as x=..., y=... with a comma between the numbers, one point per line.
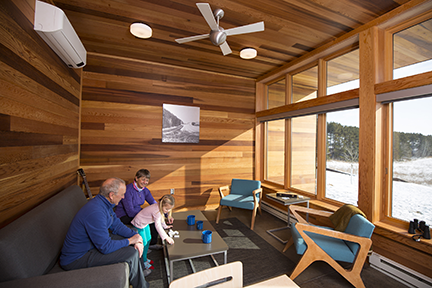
x=342, y=156
x=304, y=133
x=412, y=160
x=275, y=152
x=303, y=153
x=410, y=177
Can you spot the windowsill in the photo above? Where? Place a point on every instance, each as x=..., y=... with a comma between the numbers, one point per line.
x=401, y=235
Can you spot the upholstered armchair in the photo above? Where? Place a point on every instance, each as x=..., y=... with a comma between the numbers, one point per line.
x=326, y=244
x=244, y=194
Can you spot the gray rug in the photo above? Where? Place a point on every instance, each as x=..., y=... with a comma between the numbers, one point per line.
x=260, y=260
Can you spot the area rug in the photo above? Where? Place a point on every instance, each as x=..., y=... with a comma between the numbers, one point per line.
x=261, y=261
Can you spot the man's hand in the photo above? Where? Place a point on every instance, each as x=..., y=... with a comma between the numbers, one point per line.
x=135, y=239
x=140, y=248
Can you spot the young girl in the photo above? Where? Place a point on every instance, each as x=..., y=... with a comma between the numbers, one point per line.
x=154, y=213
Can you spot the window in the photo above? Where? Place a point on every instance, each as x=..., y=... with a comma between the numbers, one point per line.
x=276, y=94
x=412, y=160
x=305, y=85
x=342, y=156
x=343, y=73
x=275, y=154
x=303, y=153
x=412, y=50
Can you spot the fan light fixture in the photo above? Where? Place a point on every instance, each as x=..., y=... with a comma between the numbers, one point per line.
x=141, y=30
x=248, y=53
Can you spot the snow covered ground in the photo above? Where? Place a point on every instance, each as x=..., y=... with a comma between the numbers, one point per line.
x=411, y=199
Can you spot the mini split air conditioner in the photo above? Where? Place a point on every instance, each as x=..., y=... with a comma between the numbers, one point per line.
x=55, y=29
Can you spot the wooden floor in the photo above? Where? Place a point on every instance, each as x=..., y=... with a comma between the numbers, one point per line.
x=319, y=274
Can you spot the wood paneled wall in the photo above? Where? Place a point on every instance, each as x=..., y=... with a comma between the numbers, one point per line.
x=122, y=127
x=39, y=115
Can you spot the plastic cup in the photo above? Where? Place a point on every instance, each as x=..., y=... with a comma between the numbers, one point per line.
x=199, y=225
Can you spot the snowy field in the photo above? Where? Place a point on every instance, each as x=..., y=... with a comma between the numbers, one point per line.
x=411, y=199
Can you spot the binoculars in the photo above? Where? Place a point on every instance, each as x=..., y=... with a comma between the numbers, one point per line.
x=421, y=227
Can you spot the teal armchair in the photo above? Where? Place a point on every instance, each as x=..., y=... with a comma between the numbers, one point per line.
x=244, y=194
x=326, y=244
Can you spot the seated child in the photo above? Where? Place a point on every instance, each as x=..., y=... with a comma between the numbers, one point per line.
x=154, y=213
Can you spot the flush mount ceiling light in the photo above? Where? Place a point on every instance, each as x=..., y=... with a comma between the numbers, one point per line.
x=248, y=53
x=141, y=30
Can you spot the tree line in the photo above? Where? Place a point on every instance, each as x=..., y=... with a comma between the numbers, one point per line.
x=343, y=141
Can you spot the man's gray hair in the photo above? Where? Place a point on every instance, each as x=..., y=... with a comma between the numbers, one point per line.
x=111, y=185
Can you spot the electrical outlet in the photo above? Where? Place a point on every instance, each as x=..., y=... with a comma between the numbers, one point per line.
x=172, y=190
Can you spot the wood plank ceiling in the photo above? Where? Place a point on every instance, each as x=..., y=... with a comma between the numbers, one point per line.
x=292, y=29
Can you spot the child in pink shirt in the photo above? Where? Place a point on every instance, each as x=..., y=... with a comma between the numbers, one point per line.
x=154, y=213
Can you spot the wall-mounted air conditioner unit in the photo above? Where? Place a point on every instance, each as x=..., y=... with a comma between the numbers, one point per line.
x=53, y=26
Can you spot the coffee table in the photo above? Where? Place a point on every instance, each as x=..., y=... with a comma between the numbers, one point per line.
x=287, y=202
x=189, y=245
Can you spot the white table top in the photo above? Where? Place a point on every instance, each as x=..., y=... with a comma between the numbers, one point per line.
x=280, y=281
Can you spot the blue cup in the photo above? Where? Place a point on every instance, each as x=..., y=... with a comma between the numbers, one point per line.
x=190, y=219
x=199, y=225
x=206, y=236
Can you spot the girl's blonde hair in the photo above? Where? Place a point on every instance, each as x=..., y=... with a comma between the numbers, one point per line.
x=166, y=199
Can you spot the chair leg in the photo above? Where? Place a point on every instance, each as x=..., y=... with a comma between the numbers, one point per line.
x=218, y=214
x=290, y=242
x=304, y=262
x=253, y=218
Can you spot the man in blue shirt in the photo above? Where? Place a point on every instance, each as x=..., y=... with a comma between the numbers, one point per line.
x=89, y=243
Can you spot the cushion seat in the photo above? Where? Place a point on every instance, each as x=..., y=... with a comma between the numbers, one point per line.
x=238, y=201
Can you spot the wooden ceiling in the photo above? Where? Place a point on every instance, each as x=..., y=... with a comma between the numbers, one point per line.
x=292, y=29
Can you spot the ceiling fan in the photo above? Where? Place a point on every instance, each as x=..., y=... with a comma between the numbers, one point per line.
x=217, y=34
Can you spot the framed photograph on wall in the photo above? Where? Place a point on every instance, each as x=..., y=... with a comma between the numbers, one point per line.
x=180, y=124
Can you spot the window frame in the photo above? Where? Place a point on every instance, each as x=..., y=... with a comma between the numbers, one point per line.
x=387, y=116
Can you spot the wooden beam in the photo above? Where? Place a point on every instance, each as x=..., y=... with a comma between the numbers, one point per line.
x=312, y=106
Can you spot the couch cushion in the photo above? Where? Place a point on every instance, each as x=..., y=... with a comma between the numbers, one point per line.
x=335, y=248
x=244, y=187
x=30, y=246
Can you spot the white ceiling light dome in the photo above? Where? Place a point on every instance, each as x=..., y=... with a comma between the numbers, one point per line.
x=141, y=30
x=248, y=53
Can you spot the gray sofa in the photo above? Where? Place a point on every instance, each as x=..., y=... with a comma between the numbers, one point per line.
x=30, y=248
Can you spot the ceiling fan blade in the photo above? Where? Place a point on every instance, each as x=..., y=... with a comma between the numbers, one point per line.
x=225, y=48
x=191, y=38
x=256, y=27
x=208, y=15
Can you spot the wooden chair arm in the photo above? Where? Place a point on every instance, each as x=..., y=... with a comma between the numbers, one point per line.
x=256, y=201
x=296, y=208
x=259, y=190
x=223, y=189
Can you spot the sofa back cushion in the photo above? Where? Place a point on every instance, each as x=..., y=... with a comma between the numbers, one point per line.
x=31, y=245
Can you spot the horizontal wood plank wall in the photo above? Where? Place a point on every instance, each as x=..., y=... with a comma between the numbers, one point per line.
x=39, y=115
x=122, y=127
